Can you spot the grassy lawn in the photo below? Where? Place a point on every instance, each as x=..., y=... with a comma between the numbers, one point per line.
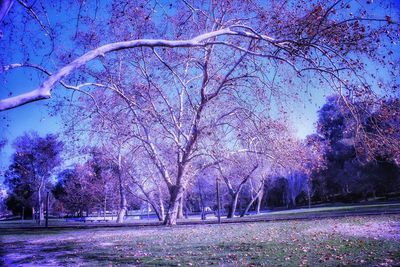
x=372, y=240
x=377, y=207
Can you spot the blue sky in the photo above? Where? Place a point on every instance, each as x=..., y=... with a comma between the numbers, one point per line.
x=31, y=117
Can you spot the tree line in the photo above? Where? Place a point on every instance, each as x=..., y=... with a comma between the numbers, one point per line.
x=328, y=166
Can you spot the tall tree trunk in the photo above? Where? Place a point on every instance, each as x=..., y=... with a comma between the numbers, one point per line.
x=259, y=200
x=202, y=205
x=158, y=209
x=249, y=206
x=234, y=202
x=162, y=210
x=186, y=209
x=105, y=207
x=122, y=212
x=41, y=214
x=159, y=212
x=41, y=211
x=180, y=209
x=40, y=202
x=176, y=192
x=235, y=194
x=47, y=209
x=218, y=201
x=123, y=206
x=172, y=213
x=202, y=208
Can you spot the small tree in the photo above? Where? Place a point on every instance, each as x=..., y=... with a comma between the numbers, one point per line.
x=28, y=176
x=84, y=188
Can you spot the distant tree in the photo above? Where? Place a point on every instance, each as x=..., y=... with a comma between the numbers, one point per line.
x=296, y=184
x=235, y=172
x=86, y=187
x=58, y=190
x=82, y=189
x=331, y=121
x=3, y=206
x=109, y=175
x=116, y=160
x=20, y=195
x=276, y=191
x=355, y=149
x=28, y=176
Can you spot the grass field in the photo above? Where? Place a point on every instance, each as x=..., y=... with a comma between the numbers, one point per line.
x=365, y=241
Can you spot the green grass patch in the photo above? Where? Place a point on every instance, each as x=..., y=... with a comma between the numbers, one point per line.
x=371, y=240
x=379, y=207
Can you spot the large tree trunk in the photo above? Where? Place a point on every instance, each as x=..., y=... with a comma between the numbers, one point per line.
x=123, y=207
x=122, y=213
x=176, y=194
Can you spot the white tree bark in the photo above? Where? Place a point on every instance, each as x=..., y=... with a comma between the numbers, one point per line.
x=123, y=206
x=44, y=90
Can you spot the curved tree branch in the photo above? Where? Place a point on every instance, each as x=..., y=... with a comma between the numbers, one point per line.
x=44, y=90
x=5, y=6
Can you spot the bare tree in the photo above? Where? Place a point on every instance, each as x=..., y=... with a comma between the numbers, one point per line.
x=171, y=78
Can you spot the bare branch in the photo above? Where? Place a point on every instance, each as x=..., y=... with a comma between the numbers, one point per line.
x=5, y=6
x=44, y=90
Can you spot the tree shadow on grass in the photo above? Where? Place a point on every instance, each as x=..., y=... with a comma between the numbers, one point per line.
x=24, y=253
